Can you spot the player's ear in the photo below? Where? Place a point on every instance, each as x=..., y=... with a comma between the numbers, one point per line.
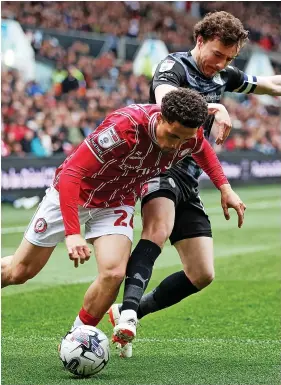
x=160, y=118
x=200, y=41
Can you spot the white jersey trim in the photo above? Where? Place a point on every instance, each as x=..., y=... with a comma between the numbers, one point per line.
x=92, y=151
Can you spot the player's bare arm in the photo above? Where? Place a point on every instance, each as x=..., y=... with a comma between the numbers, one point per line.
x=161, y=91
x=270, y=85
x=222, y=120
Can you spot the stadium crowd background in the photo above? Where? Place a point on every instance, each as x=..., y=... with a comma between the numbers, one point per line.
x=85, y=89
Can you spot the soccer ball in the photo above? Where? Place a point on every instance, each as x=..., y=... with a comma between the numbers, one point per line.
x=84, y=351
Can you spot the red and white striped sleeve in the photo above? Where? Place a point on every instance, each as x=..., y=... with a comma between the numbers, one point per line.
x=82, y=164
x=209, y=162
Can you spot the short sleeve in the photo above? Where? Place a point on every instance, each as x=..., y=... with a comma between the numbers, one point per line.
x=239, y=81
x=170, y=72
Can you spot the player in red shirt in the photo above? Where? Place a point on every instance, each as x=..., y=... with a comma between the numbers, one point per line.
x=99, y=184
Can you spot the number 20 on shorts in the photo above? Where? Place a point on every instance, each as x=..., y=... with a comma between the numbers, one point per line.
x=122, y=219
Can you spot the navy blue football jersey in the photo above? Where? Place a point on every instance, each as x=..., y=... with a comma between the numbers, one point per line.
x=180, y=70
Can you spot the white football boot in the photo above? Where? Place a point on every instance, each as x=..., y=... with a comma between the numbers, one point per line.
x=125, y=348
x=126, y=329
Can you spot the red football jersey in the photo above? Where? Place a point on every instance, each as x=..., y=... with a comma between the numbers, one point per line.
x=113, y=162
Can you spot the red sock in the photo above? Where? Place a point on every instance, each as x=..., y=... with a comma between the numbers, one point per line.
x=87, y=318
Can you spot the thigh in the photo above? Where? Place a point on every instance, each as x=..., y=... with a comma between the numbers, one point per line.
x=197, y=256
x=112, y=252
x=158, y=214
x=191, y=220
x=31, y=257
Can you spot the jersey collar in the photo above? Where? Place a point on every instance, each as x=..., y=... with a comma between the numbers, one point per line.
x=152, y=124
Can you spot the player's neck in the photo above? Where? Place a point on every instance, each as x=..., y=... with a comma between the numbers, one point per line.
x=195, y=54
x=196, y=57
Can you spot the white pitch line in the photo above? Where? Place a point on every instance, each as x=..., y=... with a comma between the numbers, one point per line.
x=226, y=253
x=11, y=230
x=253, y=206
x=212, y=210
x=60, y=281
x=207, y=340
x=245, y=341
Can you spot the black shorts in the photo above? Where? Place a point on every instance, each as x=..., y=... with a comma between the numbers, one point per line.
x=191, y=220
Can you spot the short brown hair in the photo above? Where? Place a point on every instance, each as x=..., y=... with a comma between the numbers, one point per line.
x=222, y=25
x=185, y=106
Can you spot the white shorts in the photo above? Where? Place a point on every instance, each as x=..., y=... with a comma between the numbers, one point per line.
x=46, y=228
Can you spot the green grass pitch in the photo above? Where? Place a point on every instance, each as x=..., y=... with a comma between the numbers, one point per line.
x=228, y=334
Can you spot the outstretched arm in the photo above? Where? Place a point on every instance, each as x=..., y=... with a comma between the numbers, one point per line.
x=269, y=85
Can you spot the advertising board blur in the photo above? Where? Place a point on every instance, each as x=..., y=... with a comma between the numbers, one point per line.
x=31, y=176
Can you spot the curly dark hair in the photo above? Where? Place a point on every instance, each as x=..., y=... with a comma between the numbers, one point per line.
x=185, y=106
x=222, y=25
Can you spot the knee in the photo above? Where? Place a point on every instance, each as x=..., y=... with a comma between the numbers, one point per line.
x=202, y=279
x=157, y=233
x=112, y=277
x=20, y=274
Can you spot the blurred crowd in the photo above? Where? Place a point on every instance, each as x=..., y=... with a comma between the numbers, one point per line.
x=255, y=126
x=85, y=89
x=172, y=22
x=56, y=121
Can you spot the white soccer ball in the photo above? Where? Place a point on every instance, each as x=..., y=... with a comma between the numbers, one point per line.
x=84, y=351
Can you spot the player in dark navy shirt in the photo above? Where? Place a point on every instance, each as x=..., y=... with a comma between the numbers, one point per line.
x=171, y=206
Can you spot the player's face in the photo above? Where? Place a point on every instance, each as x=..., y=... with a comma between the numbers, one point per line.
x=170, y=136
x=214, y=56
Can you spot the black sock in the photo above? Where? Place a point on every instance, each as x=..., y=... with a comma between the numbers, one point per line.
x=170, y=291
x=138, y=273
